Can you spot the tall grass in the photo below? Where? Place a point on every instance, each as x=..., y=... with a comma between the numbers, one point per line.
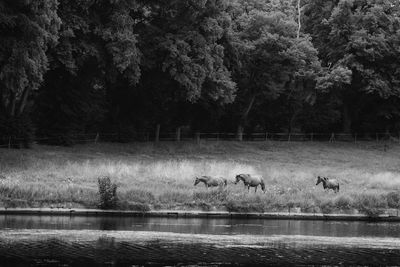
x=162, y=176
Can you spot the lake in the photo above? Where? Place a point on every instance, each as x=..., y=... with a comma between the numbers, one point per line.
x=126, y=241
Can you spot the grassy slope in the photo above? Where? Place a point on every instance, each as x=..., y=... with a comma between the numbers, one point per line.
x=162, y=175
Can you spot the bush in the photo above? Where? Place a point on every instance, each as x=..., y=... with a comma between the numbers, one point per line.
x=393, y=200
x=344, y=202
x=108, y=193
x=326, y=206
x=371, y=204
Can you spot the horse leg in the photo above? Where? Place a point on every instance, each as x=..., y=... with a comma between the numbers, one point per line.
x=248, y=189
x=255, y=189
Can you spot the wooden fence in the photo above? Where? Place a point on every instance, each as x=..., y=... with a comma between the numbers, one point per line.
x=177, y=136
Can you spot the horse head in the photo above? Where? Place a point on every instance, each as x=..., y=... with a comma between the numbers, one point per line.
x=319, y=180
x=262, y=185
x=196, y=181
x=238, y=178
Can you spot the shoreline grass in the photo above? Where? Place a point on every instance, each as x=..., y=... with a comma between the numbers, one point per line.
x=161, y=176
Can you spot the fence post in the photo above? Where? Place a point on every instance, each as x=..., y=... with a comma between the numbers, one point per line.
x=197, y=137
x=266, y=136
x=289, y=137
x=96, y=139
x=240, y=133
x=9, y=142
x=157, y=138
x=178, y=134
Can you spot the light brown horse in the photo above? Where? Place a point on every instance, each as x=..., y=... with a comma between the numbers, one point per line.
x=211, y=181
x=250, y=181
x=328, y=183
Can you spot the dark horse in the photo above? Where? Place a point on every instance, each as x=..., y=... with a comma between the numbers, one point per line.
x=250, y=181
x=328, y=183
x=211, y=181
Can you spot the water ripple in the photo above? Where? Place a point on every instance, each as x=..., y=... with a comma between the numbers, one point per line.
x=124, y=248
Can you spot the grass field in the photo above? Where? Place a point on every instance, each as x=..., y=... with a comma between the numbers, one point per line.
x=161, y=176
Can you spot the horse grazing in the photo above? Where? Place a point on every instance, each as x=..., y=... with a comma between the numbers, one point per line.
x=250, y=181
x=328, y=183
x=211, y=181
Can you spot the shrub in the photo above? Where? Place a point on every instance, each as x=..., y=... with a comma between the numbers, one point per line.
x=393, y=200
x=344, y=202
x=204, y=206
x=108, y=193
x=371, y=204
x=326, y=206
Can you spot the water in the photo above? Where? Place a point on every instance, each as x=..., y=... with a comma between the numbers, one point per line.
x=113, y=241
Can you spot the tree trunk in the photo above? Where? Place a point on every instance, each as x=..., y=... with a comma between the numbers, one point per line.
x=243, y=118
x=346, y=119
x=24, y=100
x=178, y=134
x=298, y=19
x=11, y=105
x=239, y=133
x=157, y=133
x=293, y=119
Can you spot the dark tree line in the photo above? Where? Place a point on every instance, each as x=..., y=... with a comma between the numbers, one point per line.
x=124, y=66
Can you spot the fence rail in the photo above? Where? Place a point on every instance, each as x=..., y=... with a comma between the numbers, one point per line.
x=145, y=136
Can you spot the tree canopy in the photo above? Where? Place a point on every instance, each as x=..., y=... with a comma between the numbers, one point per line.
x=125, y=66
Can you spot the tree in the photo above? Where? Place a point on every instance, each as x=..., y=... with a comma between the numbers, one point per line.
x=183, y=57
x=265, y=55
x=27, y=29
x=96, y=54
x=360, y=49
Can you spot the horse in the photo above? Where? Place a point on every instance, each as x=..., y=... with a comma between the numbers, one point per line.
x=250, y=181
x=211, y=181
x=328, y=183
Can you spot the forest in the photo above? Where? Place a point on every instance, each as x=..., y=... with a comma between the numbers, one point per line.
x=127, y=66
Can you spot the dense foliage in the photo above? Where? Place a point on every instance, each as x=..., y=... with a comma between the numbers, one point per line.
x=123, y=66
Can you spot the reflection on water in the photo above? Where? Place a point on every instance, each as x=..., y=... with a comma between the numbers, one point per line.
x=110, y=241
x=204, y=226
x=125, y=248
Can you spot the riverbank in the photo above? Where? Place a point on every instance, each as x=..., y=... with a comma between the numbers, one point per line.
x=152, y=177
x=389, y=216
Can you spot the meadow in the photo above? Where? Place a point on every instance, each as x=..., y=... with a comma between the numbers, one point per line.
x=161, y=176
